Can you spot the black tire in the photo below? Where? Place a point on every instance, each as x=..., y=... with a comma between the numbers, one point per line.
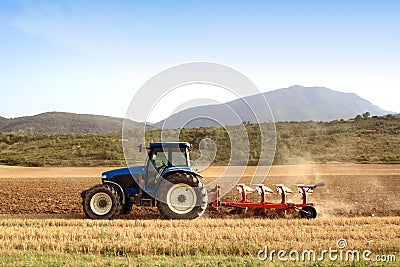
x=101, y=202
x=181, y=196
x=83, y=195
x=308, y=212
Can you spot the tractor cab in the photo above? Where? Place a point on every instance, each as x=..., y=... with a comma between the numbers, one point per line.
x=164, y=157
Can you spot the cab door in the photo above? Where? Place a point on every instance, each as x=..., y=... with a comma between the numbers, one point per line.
x=157, y=161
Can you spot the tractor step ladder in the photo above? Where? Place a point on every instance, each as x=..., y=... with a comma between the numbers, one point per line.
x=146, y=202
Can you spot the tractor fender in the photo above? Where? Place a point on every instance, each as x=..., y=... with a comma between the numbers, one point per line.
x=118, y=187
x=173, y=170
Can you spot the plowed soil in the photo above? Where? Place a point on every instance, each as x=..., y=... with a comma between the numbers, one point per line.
x=351, y=190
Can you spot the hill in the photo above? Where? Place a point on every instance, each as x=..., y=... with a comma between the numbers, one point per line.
x=365, y=140
x=64, y=123
x=296, y=103
x=2, y=121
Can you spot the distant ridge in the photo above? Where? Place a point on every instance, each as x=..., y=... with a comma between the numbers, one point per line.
x=2, y=120
x=298, y=103
x=64, y=123
x=295, y=103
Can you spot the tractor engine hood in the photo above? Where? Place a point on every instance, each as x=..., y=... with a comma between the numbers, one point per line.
x=138, y=170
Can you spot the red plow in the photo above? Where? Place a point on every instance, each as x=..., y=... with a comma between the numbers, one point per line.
x=307, y=210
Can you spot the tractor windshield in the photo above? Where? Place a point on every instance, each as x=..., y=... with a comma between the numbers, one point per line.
x=169, y=156
x=162, y=157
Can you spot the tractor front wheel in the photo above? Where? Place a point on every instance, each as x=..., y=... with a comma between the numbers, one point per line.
x=181, y=196
x=101, y=202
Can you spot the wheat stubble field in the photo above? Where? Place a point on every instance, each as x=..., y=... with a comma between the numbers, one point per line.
x=41, y=222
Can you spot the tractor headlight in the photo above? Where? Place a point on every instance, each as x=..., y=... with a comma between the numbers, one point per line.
x=104, y=176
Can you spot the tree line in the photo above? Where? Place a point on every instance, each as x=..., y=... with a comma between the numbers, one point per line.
x=364, y=139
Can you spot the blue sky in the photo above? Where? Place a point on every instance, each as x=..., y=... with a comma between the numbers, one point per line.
x=92, y=56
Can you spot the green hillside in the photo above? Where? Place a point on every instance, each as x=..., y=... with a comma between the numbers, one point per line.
x=64, y=123
x=364, y=140
x=2, y=121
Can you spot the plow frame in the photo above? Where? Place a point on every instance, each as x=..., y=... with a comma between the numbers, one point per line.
x=244, y=204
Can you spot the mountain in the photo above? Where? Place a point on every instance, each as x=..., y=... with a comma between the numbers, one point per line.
x=64, y=123
x=296, y=103
x=299, y=103
x=2, y=120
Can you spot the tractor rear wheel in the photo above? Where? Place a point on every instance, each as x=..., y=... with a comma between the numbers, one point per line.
x=101, y=202
x=181, y=196
x=308, y=212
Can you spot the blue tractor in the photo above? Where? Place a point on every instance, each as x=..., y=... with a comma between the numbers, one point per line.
x=166, y=181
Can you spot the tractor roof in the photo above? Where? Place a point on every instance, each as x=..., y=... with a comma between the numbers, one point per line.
x=169, y=144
